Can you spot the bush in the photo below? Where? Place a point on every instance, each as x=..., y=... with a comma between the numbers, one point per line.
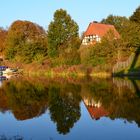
x=67, y=58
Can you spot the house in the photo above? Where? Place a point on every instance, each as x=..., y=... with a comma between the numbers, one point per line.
x=96, y=31
x=97, y=113
x=95, y=109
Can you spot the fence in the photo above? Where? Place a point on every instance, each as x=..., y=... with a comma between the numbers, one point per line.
x=123, y=83
x=122, y=65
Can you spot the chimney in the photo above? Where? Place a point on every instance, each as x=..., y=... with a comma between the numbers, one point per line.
x=95, y=21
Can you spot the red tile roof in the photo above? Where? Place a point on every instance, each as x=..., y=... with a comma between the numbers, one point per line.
x=97, y=113
x=100, y=29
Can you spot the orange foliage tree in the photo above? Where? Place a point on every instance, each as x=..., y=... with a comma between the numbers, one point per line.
x=3, y=35
x=26, y=42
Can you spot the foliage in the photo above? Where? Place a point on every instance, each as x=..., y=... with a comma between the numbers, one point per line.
x=72, y=57
x=136, y=16
x=25, y=41
x=118, y=21
x=3, y=35
x=60, y=33
x=130, y=31
x=28, y=42
x=101, y=53
x=68, y=56
x=131, y=35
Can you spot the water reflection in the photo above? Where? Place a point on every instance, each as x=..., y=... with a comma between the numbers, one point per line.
x=27, y=98
x=64, y=106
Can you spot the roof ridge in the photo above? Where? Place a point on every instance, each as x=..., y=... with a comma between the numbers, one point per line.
x=101, y=23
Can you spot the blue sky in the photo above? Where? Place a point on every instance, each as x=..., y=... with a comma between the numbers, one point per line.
x=82, y=11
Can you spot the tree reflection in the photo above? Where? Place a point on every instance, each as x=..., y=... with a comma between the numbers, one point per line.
x=64, y=107
x=119, y=102
x=103, y=98
x=3, y=101
x=25, y=99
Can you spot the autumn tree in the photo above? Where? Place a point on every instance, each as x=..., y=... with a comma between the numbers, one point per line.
x=33, y=99
x=26, y=41
x=3, y=35
x=62, y=30
x=136, y=16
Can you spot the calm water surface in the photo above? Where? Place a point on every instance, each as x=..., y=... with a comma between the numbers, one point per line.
x=72, y=109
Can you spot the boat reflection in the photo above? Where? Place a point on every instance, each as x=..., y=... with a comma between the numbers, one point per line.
x=4, y=77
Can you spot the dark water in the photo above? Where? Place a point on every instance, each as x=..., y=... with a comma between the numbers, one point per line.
x=72, y=109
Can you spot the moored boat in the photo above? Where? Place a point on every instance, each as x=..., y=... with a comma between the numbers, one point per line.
x=7, y=70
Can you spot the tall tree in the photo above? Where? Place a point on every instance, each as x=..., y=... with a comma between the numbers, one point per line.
x=136, y=16
x=61, y=31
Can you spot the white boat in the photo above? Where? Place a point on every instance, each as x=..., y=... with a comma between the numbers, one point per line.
x=7, y=71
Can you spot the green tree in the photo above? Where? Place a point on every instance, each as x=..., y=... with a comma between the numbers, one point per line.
x=136, y=16
x=133, y=32
x=60, y=33
x=118, y=21
x=26, y=41
x=131, y=35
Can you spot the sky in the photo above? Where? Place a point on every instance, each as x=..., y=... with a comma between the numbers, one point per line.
x=82, y=11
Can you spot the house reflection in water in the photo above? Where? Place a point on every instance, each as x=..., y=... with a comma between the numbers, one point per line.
x=95, y=109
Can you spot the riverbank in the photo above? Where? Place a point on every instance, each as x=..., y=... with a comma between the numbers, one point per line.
x=68, y=71
x=35, y=69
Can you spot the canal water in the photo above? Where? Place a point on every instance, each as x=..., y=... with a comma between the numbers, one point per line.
x=69, y=109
